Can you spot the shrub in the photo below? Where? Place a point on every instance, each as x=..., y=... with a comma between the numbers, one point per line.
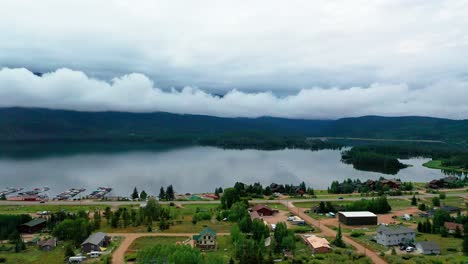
x=2, y=260
x=356, y=233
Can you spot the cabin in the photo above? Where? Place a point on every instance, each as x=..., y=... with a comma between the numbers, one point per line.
x=317, y=244
x=391, y=236
x=262, y=210
x=452, y=227
x=33, y=226
x=95, y=242
x=357, y=218
x=206, y=240
x=47, y=245
x=428, y=248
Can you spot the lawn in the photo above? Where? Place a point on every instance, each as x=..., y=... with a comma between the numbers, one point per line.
x=454, y=201
x=32, y=255
x=182, y=222
x=366, y=241
x=311, y=204
x=142, y=243
x=399, y=204
x=277, y=206
x=34, y=208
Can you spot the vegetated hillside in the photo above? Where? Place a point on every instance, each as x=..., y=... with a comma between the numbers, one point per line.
x=18, y=124
x=33, y=124
x=409, y=127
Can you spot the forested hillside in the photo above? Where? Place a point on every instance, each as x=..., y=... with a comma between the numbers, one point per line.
x=24, y=124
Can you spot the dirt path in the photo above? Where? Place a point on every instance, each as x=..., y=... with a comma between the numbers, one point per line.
x=118, y=257
x=326, y=231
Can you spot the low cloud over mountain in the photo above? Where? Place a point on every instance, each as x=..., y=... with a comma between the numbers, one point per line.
x=74, y=90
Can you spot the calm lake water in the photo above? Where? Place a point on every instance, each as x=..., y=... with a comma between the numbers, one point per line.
x=188, y=169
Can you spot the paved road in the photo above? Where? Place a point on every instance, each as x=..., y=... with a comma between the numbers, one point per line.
x=118, y=256
x=331, y=233
x=118, y=203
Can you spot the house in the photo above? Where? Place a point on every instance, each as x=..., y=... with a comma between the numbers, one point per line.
x=357, y=218
x=206, y=239
x=450, y=209
x=254, y=215
x=33, y=226
x=428, y=248
x=392, y=183
x=47, y=245
x=452, y=227
x=262, y=210
x=394, y=235
x=317, y=244
x=95, y=242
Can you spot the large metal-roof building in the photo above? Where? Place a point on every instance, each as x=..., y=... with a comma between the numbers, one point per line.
x=357, y=218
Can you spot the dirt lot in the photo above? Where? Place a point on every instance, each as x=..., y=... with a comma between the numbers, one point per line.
x=281, y=216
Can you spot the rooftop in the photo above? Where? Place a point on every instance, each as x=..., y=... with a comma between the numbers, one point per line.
x=206, y=231
x=393, y=230
x=429, y=245
x=358, y=214
x=317, y=242
x=95, y=238
x=35, y=222
x=260, y=206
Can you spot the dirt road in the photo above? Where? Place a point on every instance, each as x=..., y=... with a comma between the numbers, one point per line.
x=118, y=257
x=329, y=232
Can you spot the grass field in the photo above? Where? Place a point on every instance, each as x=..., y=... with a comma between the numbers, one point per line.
x=32, y=255
x=277, y=206
x=399, y=204
x=147, y=242
x=34, y=208
x=454, y=201
x=437, y=164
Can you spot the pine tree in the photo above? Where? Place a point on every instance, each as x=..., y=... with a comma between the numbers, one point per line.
x=420, y=227
x=162, y=194
x=170, y=193
x=135, y=195
x=414, y=201
x=339, y=238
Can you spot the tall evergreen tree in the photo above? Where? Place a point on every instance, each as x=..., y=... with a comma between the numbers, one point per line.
x=162, y=194
x=135, y=195
x=414, y=201
x=339, y=238
x=170, y=195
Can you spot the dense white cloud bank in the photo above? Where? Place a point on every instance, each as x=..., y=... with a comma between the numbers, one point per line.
x=249, y=45
x=74, y=90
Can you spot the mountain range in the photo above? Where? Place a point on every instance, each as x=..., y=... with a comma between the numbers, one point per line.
x=37, y=124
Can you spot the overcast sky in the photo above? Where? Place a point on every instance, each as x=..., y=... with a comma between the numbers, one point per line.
x=298, y=59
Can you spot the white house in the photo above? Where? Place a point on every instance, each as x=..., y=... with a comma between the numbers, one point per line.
x=390, y=235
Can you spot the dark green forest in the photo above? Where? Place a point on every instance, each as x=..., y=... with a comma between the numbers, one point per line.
x=34, y=124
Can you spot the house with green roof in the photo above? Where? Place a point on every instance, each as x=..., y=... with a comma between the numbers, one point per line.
x=206, y=239
x=33, y=226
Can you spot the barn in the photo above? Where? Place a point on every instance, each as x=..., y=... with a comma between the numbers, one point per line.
x=357, y=218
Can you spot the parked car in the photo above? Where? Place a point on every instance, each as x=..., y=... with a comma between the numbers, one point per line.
x=409, y=249
x=94, y=254
x=76, y=259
